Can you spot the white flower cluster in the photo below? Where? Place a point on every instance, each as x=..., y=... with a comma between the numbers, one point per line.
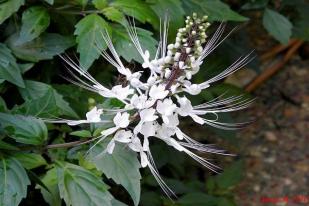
x=155, y=97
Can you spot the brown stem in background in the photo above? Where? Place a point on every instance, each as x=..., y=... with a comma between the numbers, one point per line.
x=275, y=50
x=68, y=144
x=270, y=71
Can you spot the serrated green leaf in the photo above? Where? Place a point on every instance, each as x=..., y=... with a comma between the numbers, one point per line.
x=9, y=69
x=7, y=8
x=44, y=106
x=13, y=182
x=81, y=133
x=137, y=9
x=30, y=160
x=215, y=9
x=126, y=48
x=122, y=166
x=34, y=21
x=44, y=47
x=39, y=91
x=277, y=25
x=27, y=130
x=114, y=14
x=89, y=32
x=79, y=187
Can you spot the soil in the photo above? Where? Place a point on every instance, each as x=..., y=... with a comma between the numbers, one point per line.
x=275, y=146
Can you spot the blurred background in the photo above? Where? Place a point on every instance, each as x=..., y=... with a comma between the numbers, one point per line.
x=271, y=163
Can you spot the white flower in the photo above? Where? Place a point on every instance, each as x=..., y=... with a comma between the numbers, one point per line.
x=141, y=101
x=120, y=136
x=186, y=109
x=94, y=115
x=158, y=92
x=193, y=89
x=122, y=92
x=148, y=129
x=166, y=108
x=121, y=120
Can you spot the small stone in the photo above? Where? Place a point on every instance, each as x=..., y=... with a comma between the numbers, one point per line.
x=287, y=181
x=256, y=188
x=270, y=136
x=270, y=160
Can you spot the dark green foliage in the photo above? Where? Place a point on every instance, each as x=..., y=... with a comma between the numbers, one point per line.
x=33, y=33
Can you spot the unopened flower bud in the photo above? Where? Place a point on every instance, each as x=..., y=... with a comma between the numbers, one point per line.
x=177, y=55
x=188, y=75
x=188, y=50
x=167, y=73
x=167, y=59
x=170, y=46
x=177, y=45
x=181, y=64
x=193, y=32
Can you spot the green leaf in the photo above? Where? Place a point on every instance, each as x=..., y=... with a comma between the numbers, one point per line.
x=9, y=69
x=7, y=8
x=114, y=14
x=7, y=146
x=100, y=4
x=255, y=4
x=81, y=133
x=215, y=9
x=51, y=2
x=277, y=25
x=39, y=91
x=51, y=196
x=25, y=67
x=27, y=130
x=13, y=182
x=175, y=14
x=44, y=47
x=3, y=107
x=34, y=21
x=137, y=9
x=122, y=166
x=79, y=187
x=89, y=38
x=44, y=106
x=30, y=160
x=231, y=176
x=197, y=199
x=126, y=48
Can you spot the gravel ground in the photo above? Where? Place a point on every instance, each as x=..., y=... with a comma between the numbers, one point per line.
x=276, y=145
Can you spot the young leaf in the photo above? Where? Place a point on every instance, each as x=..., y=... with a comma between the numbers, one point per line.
x=30, y=160
x=125, y=47
x=44, y=47
x=100, y=4
x=277, y=25
x=89, y=32
x=122, y=166
x=79, y=187
x=9, y=69
x=34, y=21
x=7, y=8
x=81, y=133
x=13, y=182
x=27, y=130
